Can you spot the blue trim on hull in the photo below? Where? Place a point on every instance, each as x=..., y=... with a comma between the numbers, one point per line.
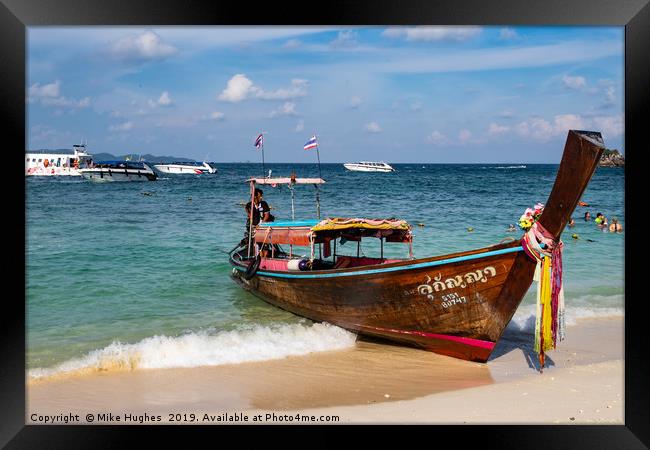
x=389, y=269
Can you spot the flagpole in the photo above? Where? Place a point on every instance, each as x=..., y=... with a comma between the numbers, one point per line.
x=263, y=168
x=318, y=156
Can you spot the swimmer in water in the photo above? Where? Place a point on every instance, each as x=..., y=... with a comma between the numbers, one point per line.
x=615, y=226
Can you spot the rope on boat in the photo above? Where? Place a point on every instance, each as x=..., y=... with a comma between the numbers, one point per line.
x=550, y=321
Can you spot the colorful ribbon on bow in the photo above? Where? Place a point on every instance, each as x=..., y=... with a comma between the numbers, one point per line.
x=550, y=322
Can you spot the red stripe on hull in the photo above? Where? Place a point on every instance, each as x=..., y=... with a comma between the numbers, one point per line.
x=457, y=346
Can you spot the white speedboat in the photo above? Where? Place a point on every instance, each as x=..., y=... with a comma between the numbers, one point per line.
x=186, y=168
x=105, y=171
x=57, y=162
x=367, y=166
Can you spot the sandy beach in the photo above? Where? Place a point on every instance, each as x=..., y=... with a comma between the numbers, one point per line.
x=374, y=382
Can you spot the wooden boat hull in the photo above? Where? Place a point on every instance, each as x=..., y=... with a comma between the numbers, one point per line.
x=457, y=305
x=447, y=307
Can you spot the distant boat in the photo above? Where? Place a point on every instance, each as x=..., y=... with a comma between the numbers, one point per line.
x=57, y=162
x=186, y=168
x=124, y=170
x=368, y=166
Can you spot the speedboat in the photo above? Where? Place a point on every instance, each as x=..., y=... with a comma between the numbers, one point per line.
x=186, y=168
x=368, y=166
x=455, y=304
x=124, y=170
x=57, y=162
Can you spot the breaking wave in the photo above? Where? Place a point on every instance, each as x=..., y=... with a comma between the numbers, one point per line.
x=257, y=343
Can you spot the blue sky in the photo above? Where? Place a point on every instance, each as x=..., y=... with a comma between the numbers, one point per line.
x=399, y=94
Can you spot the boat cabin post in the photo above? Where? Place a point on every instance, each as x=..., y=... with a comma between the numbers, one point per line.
x=250, y=218
x=290, y=182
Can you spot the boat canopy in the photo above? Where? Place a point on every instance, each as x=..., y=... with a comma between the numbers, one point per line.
x=339, y=223
x=291, y=233
x=353, y=229
x=307, y=232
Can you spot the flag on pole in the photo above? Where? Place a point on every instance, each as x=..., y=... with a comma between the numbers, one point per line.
x=259, y=141
x=311, y=143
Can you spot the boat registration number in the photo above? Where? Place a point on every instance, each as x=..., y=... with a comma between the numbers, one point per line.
x=452, y=299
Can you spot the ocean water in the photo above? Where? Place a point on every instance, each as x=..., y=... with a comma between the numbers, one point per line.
x=136, y=275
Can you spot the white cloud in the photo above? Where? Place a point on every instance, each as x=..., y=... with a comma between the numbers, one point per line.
x=298, y=88
x=126, y=126
x=373, y=127
x=496, y=129
x=432, y=33
x=437, y=138
x=565, y=122
x=416, y=106
x=50, y=95
x=508, y=34
x=165, y=99
x=287, y=109
x=544, y=130
x=355, y=102
x=536, y=128
x=464, y=136
x=51, y=90
x=217, y=115
x=610, y=126
x=299, y=126
x=496, y=58
x=292, y=43
x=141, y=47
x=240, y=88
x=345, y=39
x=574, y=82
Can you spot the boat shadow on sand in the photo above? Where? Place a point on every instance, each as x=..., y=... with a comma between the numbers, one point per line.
x=517, y=337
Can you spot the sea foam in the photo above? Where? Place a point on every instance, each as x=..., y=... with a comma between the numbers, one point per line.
x=258, y=343
x=524, y=318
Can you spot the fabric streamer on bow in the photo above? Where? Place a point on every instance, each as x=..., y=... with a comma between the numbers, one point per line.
x=550, y=322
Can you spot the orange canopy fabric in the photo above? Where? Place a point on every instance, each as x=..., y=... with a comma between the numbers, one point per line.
x=284, y=235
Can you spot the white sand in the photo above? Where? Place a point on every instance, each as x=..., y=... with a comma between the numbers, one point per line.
x=372, y=383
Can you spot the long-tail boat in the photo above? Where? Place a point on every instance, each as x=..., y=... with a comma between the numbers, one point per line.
x=456, y=304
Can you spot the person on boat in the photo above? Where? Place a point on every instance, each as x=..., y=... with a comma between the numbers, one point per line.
x=615, y=226
x=261, y=208
x=261, y=211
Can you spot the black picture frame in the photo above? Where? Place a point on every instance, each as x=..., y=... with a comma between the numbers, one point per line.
x=634, y=15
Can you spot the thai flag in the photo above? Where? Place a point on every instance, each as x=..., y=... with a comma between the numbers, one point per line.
x=259, y=141
x=311, y=143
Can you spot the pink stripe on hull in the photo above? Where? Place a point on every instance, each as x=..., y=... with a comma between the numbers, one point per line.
x=463, y=340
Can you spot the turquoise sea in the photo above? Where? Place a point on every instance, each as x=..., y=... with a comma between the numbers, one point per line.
x=137, y=274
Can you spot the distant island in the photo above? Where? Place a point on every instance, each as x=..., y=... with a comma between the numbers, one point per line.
x=612, y=158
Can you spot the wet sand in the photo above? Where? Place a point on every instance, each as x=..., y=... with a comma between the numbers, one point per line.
x=374, y=382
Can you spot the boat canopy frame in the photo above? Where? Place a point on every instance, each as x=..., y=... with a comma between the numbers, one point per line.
x=311, y=232
x=290, y=182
